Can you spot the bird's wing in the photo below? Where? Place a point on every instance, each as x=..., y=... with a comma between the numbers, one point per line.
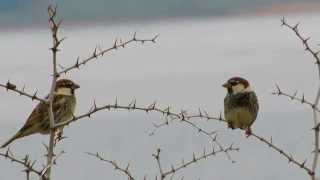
x=40, y=114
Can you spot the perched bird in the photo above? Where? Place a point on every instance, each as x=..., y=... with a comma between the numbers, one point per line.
x=64, y=103
x=240, y=104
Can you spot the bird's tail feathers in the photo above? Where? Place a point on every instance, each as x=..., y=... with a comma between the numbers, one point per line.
x=16, y=136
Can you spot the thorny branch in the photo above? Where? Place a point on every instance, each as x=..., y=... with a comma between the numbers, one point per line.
x=99, y=52
x=29, y=164
x=174, y=169
x=184, y=117
x=167, y=112
x=294, y=96
x=54, y=26
x=125, y=170
x=315, y=55
x=285, y=154
x=12, y=87
x=26, y=162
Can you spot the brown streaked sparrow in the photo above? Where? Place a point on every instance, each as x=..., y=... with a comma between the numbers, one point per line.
x=64, y=103
x=240, y=104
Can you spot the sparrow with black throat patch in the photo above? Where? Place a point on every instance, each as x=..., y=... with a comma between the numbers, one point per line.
x=63, y=106
x=240, y=104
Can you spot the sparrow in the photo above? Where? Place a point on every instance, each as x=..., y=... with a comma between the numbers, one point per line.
x=63, y=106
x=240, y=104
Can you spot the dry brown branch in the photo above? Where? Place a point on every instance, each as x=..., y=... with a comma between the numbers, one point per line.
x=26, y=162
x=304, y=40
x=12, y=87
x=54, y=26
x=315, y=55
x=183, y=165
x=125, y=170
x=132, y=106
x=167, y=112
x=99, y=53
x=294, y=96
x=183, y=117
x=290, y=158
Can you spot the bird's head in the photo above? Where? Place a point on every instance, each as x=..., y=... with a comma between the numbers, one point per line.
x=237, y=85
x=66, y=87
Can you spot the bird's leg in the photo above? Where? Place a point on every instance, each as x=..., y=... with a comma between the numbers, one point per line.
x=58, y=135
x=248, y=131
x=230, y=125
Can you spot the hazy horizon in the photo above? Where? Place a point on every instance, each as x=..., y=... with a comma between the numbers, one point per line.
x=26, y=14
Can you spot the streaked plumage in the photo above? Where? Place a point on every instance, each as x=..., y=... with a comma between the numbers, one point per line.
x=240, y=104
x=64, y=104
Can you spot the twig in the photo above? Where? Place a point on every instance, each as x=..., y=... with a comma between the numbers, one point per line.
x=97, y=54
x=315, y=55
x=302, y=100
x=125, y=171
x=290, y=158
x=157, y=157
x=54, y=26
x=303, y=40
x=12, y=87
x=175, y=169
x=183, y=117
x=26, y=162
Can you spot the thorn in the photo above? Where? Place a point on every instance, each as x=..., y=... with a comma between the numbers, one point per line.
x=206, y=114
x=77, y=63
x=95, y=53
x=34, y=95
x=11, y=86
x=23, y=88
x=306, y=40
x=220, y=116
x=200, y=114
x=303, y=164
x=127, y=168
x=295, y=28
x=115, y=46
x=283, y=22
x=134, y=36
x=278, y=89
x=294, y=95
x=94, y=104
x=155, y=38
x=116, y=103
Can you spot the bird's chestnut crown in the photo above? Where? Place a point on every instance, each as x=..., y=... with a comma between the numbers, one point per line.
x=66, y=83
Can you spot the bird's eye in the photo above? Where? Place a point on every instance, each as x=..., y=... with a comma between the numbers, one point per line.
x=233, y=83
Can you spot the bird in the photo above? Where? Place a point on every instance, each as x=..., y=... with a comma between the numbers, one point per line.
x=240, y=104
x=63, y=106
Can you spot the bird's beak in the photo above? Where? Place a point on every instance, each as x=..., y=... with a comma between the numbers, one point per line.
x=226, y=85
x=75, y=86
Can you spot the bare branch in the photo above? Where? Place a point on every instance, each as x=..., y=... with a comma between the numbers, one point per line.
x=195, y=159
x=54, y=26
x=304, y=40
x=12, y=87
x=125, y=171
x=290, y=158
x=301, y=99
x=315, y=55
x=100, y=53
x=26, y=162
